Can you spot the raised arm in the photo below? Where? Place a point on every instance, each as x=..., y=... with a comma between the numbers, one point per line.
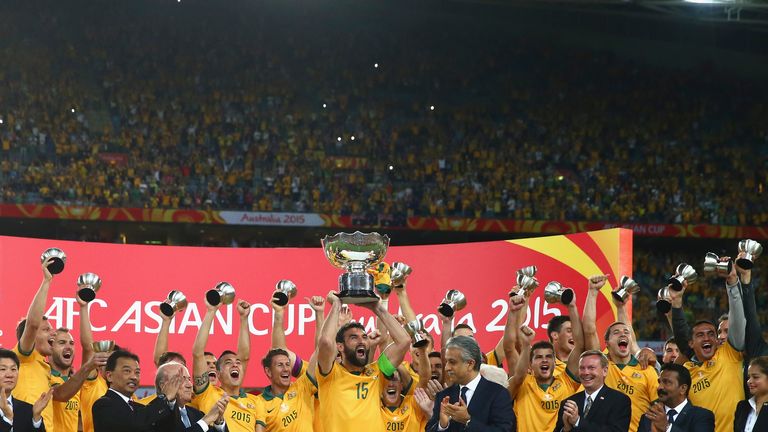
x=199, y=366
x=511, y=331
x=326, y=347
x=754, y=343
x=318, y=305
x=244, y=335
x=446, y=330
x=577, y=331
x=623, y=316
x=67, y=390
x=86, y=335
x=400, y=339
x=421, y=360
x=405, y=302
x=737, y=321
x=589, y=317
x=278, y=332
x=680, y=330
x=36, y=311
x=518, y=363
x=161, y=343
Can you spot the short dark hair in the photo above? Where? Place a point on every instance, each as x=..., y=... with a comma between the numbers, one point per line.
x=435, y=354
x=170, y=356
x=271, y=354
x=702, y=322
x=670, y=341
x=723, y=317
x=556, y=324
x=462, y=326
x=608, y=330
x=209, y=353
x=761, y=363
x=218, y=361
x=683, y=375
x=6, y=353
x=541, y=345
x=343, y=330
x=22, y=325
x=116, y=355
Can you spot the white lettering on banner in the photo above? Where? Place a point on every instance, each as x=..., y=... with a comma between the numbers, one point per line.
x=431, y=323
x=370, y=325
x=494, y=325
x=132, y=315
x=62, y=312
x=188, y=321
x=254, y=331
x=304, y=318
x=102, y=304
x=540, y=310
x=468, y=320
x=149, y=309
x=226, y=323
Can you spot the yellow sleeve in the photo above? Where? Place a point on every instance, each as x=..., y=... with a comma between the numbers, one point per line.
x=730, y=353
x=205, y=400
x=260, y=412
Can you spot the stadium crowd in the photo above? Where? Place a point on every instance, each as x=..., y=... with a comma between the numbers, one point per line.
x=158, y=112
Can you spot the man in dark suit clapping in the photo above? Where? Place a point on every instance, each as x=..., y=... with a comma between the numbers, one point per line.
x=673, y=406
x=472, y=403
x=597, y=408
x=117, y=412
x=185, y=418
x=18, y=416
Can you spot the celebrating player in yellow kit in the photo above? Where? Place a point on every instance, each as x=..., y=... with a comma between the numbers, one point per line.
x=349, y=392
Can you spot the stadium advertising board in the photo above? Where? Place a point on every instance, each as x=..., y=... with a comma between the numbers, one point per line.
x=137, y=278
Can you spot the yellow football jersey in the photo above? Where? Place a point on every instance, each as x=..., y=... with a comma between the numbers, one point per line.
x=317, y=423
x=559, y=367
x=717, y=385
x=349, y=400
x=292, y=411
x=34, y=380
x=493, y=360
x=536, y=407
x=91, y=391
x=147, y=399
x=241, y=412
x=640, y=385
x=408, y=417
x=65, y=414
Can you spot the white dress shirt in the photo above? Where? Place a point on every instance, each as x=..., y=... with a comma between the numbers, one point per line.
x=471, y=387
x=35, y=424
x=752, y=417
x=678, y=409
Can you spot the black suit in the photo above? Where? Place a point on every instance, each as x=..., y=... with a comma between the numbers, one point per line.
x=611, y=411
x=690, y=419
x=742, y=412
x=173, y=422
x=112, y=414
x=490, y=409
x=22, y=418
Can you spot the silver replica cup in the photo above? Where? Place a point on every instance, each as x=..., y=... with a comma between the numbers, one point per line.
x=663, y=302
x=103, y=346
x=285, y=290
x=627, y=287
x=356, y=253
x=399, y=273
x=88, y=284
x=752, y=249
x=175, y=302
x=715, y=266
x=223, y=293
x=59, y=259
x=529, y=271
x=453, y=302
x=415, y=328
x=555, y=292
x=526, y=285
x=683, y=272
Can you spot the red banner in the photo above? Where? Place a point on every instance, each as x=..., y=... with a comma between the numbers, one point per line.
x=135, y=279
x=91, y=213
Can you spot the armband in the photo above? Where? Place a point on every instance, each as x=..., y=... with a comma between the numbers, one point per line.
x=385, y=366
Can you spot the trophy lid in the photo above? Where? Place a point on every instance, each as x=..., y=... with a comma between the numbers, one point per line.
x=343, y=248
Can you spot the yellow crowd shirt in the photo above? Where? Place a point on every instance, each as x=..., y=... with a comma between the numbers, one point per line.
x=536, y=406
x=34, y=380
x=293, y=411
x=637, y=383
x=349, y=400
x=717, y=385
x=241, y=412
x=92, y=390
x=65, y=414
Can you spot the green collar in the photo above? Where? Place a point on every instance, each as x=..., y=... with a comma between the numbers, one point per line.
x=242, y=394
x=267, y=394
x=56, y=373
x=632, y=362
x=544, y=386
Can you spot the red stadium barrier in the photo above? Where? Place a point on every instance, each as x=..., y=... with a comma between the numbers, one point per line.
x=136, y=278
x=233, y=217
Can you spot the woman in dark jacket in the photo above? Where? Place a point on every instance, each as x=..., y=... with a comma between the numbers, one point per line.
x=752, y=414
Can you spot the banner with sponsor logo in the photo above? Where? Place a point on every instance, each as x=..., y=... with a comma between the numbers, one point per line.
x=137, y=278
